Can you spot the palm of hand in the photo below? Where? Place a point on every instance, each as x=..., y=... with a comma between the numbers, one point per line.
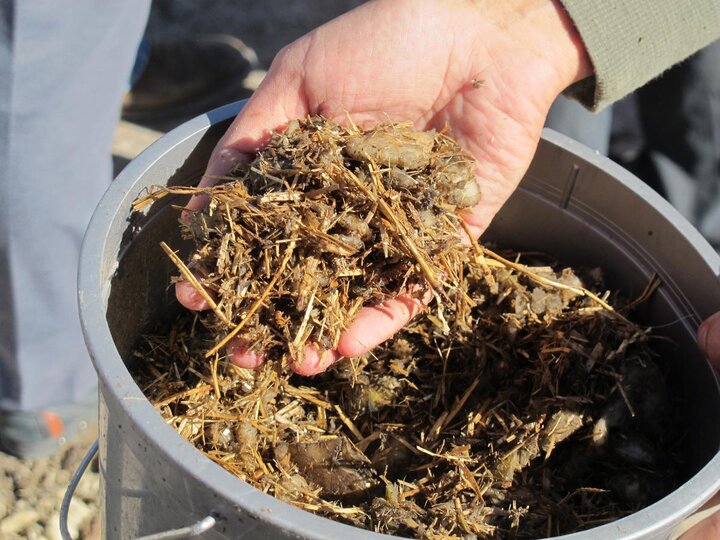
x=397, y=61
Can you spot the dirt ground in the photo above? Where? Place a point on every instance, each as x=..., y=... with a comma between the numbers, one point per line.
x=31, y=491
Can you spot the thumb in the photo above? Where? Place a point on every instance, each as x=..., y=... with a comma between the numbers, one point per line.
x=277, y=100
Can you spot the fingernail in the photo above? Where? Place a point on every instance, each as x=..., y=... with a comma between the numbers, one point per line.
x=189, y=297
x=239, y=354
x=314, y=361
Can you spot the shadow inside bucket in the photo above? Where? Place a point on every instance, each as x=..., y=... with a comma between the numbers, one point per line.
x=141, y=293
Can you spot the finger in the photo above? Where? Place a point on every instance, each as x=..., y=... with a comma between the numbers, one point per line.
x=314, y=361
x=222, y=161
x=189, y=296
x=475, y=224
x=372, y=326
x=239, y=353
x=709, y=339
x=375, y=324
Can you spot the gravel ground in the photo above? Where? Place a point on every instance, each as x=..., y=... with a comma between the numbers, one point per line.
x=31, y=492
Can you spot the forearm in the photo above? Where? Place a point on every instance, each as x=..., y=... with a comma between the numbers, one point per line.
x=630, y=42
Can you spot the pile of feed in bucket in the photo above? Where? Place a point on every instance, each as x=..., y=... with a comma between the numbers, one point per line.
x=523, y=402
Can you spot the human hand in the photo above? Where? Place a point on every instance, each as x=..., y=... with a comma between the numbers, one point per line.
x=709, y=339
x=489, y=71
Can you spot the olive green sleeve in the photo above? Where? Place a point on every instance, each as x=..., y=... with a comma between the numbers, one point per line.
x=632, y=41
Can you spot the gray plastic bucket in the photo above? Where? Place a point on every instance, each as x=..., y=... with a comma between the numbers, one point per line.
x=573, y=203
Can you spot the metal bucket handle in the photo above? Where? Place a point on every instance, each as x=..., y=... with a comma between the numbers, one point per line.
x=196, y=529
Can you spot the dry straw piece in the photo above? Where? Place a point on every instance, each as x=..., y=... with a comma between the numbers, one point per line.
x=520, y=405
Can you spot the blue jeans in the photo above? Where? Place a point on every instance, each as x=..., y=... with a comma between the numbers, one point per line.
x=64, y=66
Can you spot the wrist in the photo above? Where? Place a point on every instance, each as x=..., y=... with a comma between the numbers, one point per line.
x=569, y=44
x=543, y=35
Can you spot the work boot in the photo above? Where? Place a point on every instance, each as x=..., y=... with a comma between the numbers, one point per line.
x=184, y=78
x=34, y=434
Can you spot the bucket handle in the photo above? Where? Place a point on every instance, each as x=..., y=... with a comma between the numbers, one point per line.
x=70, y=491
x=205, y=524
